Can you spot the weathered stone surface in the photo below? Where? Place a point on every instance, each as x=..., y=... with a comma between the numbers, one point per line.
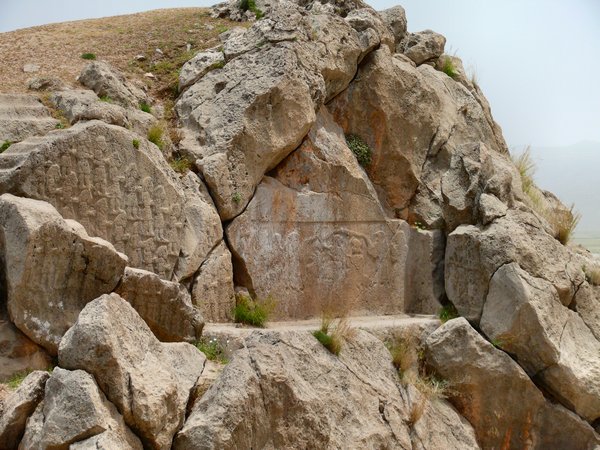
x=18, y=353
x=285, y=66
x=22, y=116
x=422, y=47
x=282, y=390
x=490, y=208
x=315, y=236
x=147, y=380
x=46, y=84
x=18, y=407
x=395, y=18
x=424, y=270
x=53, y=268
x=212, y=289
x=371, y=28
x=587, y=301
x=496, y=396
x=106, y=81
x=129, y=196
x=74, y=409
x=165, y=306
x=473, y=255
x=84, y=104
x=200, y=65
x=411, y=118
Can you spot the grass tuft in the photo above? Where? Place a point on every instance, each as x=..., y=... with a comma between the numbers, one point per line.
x=448, y=312
x=449, y=68
x=333, y=333
x=236, y=197
x=564, y=224
x=361, y=150
x=5, y=146
x=526, y=167
x=136, y=143
x=155, y=135
x=213, y=350
x=180, y=164
x=145, y=107
x=15, y=381
x=89, y=56
x=250, y=5
x=252, y=312
x=592, y=275
x=106, y=99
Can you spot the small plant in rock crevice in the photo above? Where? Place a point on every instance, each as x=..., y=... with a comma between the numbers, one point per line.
x=135, y=143
x=145, y=107
x=360, y=148
x=333, y=333
x=236, y=197
x=213, y=350
x=250, y=5
x=448, y=312
x=180, y=164
x=251, y=311
x=592, y=275
x=5, y=146
x=15, y=381
x=449, y=68
x=155, y=135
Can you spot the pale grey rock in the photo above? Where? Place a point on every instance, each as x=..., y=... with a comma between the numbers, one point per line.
x=22, y=116
x=212, y=289
x=165, y=306
x=315, y=236
x=46, y=84
x=106, y=81
x=473, y=255
x=490, y=208
x=497, y=397
x=395, y=18
x=78, y=105
x=74, y=409
x=422, y=47
x=148, y=381
x=199, y=66
x=129, y=196
x=587, y=301
x=18, y=407
x=367, y=21
x=31, y=68
x=53, y=268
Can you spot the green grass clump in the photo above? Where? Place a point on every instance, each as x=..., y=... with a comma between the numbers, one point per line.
x=155, y=135
x=222, y=28
x=449, y=68
x=15, y=381
x=333, y=337
x=592, y=275
x=526, y=167
x=448, y=312
x=146, y=107
x=135, y=143
x=5, y=146
x=252, y=312
x=89, y=56
x=360, y=148
x=565, y=223
x=250, y=5
x=106, y=99
x=213, y=350
x=236, y=197
x=180, y=164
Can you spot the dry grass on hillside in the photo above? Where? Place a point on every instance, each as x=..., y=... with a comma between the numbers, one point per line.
x=57, y=48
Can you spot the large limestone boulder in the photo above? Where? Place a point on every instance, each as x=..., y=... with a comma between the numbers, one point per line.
x=315, y=237
x=423, y=46
x=148, y=381
x=285, y=390
x=82, y=104
x=200, y=65
x=241, y=120
x=165, y=306
x=212, y=289
x=126, y=194
x=18, y=407
x=106, y=81
x=412, y=118
x=53, y=268
x=395, y=18
x=74, y=410
x=497, y=397
x=22, y=116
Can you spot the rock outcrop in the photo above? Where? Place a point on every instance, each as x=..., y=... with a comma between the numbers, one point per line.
x=148, y=381
x=18, y=353
x=18, y=407
x=22, y=116
x=53, y=268
x=75, y=411
x=126, y=194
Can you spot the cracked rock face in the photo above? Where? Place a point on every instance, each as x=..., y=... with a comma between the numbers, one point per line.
x=129, y=196
x=497, y=397
x=148, y=381
x=53, y=268
x=282, y=390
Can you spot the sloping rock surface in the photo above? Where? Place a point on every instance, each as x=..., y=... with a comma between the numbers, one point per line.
x=22, y=116
x=148, y=381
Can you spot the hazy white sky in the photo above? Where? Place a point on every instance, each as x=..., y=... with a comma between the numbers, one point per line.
x=538, y=61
